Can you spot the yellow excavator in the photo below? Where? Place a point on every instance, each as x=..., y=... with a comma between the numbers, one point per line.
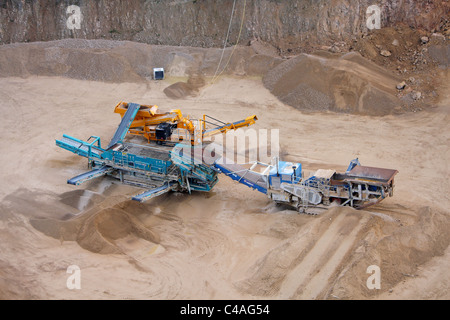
x=173, y=125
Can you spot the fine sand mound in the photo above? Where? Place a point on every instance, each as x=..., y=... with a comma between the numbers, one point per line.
x=300, y=266
x=349, y=84
x=96, y=225
x=397, y=251
x=97, y=230
x=180, y=90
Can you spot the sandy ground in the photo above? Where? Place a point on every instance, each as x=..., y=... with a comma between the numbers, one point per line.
x=230, y=244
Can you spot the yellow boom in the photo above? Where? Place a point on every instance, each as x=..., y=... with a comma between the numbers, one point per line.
x=228, y=126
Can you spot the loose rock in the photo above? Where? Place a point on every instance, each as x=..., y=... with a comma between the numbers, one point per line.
x=385, y=53
x=416, y=95
x=438, y=36
x=401, y=85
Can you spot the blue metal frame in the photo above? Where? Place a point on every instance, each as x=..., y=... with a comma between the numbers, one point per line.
x=191, y=176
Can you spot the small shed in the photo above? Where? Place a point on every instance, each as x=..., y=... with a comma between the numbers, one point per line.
x=158, y=73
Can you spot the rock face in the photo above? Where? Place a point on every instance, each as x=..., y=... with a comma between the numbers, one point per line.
x=204, y=23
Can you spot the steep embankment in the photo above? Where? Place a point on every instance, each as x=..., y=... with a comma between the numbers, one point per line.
x=125, y=61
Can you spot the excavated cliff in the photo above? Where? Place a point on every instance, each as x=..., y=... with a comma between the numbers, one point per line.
x=287, y=24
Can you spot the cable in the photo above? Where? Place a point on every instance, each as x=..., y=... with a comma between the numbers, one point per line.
x=225, y=44
x=226, y=39
x=234, y=48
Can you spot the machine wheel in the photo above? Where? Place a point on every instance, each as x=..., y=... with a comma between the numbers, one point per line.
x=300, y=209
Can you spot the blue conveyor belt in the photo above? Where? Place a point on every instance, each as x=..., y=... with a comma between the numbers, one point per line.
x=89, y=175
x=124, y=125
x=242, y=175
x=79, y=147
x=147, y=195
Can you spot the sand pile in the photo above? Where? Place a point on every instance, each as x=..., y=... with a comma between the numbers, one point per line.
x=295, y=268
x=399, y=249
x=181, y=89
x=94, y=221
x=97, y=230
x=100, y=230
x=349, y=84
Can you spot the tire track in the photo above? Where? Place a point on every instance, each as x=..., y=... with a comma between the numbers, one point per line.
x=320, y=281
x=310, y=277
